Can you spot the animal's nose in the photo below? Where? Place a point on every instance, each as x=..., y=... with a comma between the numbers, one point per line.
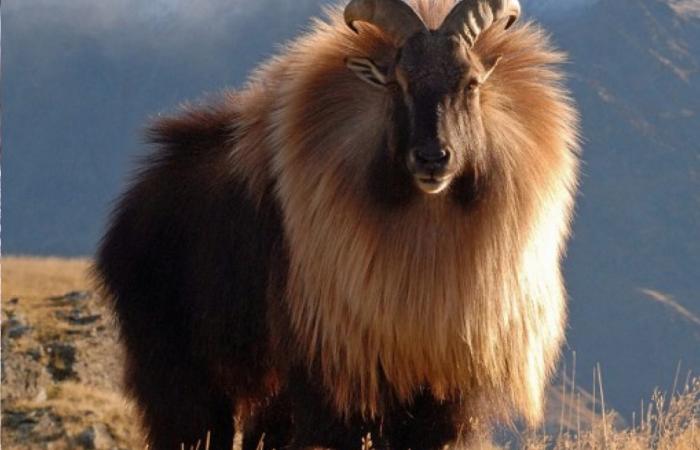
x=432, y=157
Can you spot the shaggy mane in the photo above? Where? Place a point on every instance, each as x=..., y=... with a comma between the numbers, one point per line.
x=467, y=302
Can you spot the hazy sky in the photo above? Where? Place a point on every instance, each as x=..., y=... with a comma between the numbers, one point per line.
x=162, y=24
x=172, y=26
x=93, y=16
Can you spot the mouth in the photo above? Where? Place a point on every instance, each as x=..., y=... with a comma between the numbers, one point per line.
x=432, y=184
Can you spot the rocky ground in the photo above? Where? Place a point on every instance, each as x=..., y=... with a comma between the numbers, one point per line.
x=60, y=362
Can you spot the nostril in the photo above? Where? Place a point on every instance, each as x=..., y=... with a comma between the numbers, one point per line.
x=433, y=157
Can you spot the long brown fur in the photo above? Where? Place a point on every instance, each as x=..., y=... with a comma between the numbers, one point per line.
x=469, y=303
x=254, y=272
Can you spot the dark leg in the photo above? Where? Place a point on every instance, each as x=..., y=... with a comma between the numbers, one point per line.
x=272, y=423
x=178, y=403
x=317, y=424
x=424, y=424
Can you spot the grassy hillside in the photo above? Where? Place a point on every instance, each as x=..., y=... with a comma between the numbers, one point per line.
x=61, y=378
x=60, y=361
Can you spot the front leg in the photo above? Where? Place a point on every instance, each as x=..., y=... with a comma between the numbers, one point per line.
x=318, y=424
x=426, y=424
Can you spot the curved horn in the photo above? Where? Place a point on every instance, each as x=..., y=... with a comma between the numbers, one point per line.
x=471, y=17
x=394, y=17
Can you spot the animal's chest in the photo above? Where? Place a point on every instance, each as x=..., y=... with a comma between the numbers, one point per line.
x=394, y=304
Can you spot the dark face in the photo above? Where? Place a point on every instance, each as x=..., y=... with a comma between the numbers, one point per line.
x=434, y=82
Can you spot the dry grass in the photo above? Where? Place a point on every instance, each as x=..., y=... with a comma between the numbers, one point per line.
x=666, y=423
x=35, y=280
x=31, y=277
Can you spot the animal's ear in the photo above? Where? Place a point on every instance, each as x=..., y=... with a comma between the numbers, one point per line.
x=367, y=71
x=489, y=66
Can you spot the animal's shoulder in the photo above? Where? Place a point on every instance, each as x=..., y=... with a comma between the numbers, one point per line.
x=190, y=170
x=187, y=202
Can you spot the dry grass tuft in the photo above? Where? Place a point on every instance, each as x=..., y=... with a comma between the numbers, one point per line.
x=666, y=423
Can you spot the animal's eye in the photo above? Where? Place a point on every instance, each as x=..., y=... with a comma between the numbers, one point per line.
x=472, y=85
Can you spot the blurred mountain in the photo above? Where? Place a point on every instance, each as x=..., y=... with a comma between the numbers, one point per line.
x=79, y=83
x=635, y=72
x=554, y=8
